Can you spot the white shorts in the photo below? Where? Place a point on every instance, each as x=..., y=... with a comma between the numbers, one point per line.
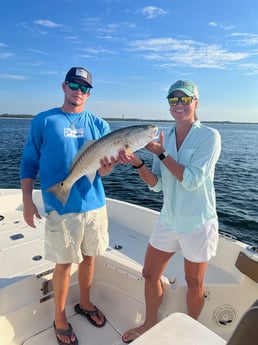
x=69, y=236
x=198, y=246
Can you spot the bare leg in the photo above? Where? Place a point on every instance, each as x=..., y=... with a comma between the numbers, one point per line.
x=61, y=280
x=154, y=266
x=194, y=275
x=85, y=277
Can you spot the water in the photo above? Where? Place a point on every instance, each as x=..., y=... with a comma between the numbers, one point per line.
x=235, y=179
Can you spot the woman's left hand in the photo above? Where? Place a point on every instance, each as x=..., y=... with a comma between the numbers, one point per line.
x=156, y=147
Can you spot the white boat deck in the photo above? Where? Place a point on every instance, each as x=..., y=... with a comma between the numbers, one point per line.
x=25, y=246
x=26, y=296
x=85, y=332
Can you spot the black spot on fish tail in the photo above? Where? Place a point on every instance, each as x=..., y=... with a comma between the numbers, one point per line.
x=60, y=191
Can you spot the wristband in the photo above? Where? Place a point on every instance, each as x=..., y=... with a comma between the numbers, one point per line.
x=139, y=166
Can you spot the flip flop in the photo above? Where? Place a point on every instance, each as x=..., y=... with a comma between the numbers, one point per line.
x=132, y=333
x=67, y=333
x=88, y=314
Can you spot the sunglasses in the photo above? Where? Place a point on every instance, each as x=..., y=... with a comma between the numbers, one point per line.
x=185, y=100
x=75, y=86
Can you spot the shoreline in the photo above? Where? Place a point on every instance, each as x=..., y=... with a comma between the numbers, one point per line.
x=29, y=117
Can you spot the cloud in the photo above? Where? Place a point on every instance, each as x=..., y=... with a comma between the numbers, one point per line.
x=6, y=55
x=244, y=38
x=74, y=39
x=213, y=24
x=252, y=68
x=151, y=12
x=12, y=76
x=105, y=37
x=37, y=51
x=169, y=52
x=98, y=51
x=47, y=23
x=110, y=29
x=221, y=26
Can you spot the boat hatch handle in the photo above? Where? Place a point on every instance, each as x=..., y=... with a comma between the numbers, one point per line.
x=1, y=217
x=45, y=273
x=47, y=287
x=46, y=298
x=16, y=237
x=37, y=257
x=118, y=246
x=247, y=266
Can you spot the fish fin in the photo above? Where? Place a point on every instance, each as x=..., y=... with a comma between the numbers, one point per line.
x=60, y=191
x=84, y=147
x=91, y=176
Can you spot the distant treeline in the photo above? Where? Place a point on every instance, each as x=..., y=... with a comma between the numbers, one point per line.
x=27, y=116
x=24, y=116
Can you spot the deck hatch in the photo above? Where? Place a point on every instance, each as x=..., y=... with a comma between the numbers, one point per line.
x=16, y=237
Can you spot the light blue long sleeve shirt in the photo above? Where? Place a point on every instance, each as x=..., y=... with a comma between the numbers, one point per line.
x=189, y=204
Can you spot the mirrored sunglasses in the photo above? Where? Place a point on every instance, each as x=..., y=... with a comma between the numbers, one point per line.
x=75, y=86
x=185, y=100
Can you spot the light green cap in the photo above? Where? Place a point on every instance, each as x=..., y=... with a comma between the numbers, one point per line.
x=186, y=86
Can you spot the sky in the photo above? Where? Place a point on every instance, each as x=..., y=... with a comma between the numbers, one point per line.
x=134, y=49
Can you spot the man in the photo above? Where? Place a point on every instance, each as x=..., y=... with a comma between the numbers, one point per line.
x=77, y=231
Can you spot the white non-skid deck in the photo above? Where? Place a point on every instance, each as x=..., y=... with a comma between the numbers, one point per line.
x=27, y=313
x=85, y=332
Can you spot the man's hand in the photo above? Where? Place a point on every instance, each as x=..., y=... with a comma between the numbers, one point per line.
x=30, y=211
x=106, y=166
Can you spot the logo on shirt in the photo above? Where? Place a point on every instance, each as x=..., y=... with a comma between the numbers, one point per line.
x=74, y=132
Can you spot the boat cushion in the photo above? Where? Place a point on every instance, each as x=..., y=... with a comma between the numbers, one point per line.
x=179, y=329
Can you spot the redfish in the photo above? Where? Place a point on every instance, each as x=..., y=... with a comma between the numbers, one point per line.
x=87, y=161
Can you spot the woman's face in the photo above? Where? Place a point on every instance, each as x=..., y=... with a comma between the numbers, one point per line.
x=183, y=112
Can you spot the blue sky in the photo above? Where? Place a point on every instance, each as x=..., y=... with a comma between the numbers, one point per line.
x=135, y=49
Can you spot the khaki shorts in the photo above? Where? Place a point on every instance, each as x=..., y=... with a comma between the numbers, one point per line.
x=69, y=236
x=198, y=246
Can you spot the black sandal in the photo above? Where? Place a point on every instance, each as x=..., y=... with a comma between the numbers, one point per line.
x=67, y=333
x=89, y=313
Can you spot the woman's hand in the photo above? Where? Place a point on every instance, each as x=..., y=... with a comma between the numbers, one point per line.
x=156, y=147
x=127, y=157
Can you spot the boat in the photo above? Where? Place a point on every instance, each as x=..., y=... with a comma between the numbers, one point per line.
x=26, y=294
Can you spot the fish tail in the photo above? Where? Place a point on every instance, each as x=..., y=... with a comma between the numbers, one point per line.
x=61, y=191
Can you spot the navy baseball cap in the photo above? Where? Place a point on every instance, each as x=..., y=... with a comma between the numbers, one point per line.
x=80, y=75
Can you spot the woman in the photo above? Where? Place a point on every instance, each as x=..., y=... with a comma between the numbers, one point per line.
x=183, y=168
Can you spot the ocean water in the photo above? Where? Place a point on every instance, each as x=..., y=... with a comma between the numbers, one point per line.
x=235, y=178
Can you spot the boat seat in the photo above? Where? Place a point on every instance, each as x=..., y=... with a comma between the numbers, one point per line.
x=179, y=329
x=247, y=266
x=246, y=331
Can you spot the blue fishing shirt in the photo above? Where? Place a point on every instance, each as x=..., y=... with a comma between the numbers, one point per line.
x=189, y=204
x=50, y=149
